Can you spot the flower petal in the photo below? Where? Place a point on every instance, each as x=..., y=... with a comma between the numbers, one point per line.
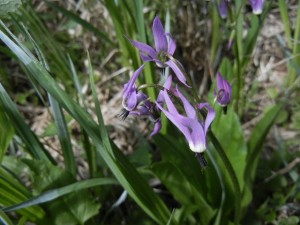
x=223, y=9
x=172, y=45
x=177, y=70
x=169, y=103
x=160, y=38
x=257, y=6
x=189, y=109
x=130, y=96
x=157, y=127
x=209, y=117
x=144, y=48
x=174, y=118
x=167, y=85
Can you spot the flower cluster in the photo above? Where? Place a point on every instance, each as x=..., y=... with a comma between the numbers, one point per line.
x=185, y=116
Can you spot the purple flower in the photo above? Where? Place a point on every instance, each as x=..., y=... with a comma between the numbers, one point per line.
x=130, y=95
x=163, y=52
x=224, y=91
x=257, y=6
x=193, y=129
x=223, y=9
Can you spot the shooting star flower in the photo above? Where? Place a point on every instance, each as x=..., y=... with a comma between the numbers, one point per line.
x=163, y=52
x=193, y=129
x=224, y=91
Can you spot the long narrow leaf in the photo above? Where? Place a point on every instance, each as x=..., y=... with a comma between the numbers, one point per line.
x=56, y=193
x=4, y=220
x=34, y=146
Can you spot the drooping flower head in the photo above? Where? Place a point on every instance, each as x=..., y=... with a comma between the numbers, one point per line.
x=136, y=103
x=130, y=97
x=257, y=6
x=192, y=128
x=163, y=52
x=224, y=91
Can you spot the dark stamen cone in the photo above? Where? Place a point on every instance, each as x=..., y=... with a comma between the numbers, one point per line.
x=225, y=110
x=201, y=159
x=123, y=114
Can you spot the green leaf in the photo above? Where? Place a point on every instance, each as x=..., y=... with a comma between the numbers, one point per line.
x=76, y=207
x=257, y=138
x=64, y=137
x=53, y=194
x=12, y=192
x=228, y=131
x=4, y=220
x=7, y=133
x=176, y=151
x=8, y=6
x=34, y=146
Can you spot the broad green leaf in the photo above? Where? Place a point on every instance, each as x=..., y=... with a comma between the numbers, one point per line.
x=76, y=207
x=176, y=151
x=123, y=170
x=8, y=6
x=228, y=131
x=7, y=133
x=182, y=189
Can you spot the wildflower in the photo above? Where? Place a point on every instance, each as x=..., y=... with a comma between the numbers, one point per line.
x=223, y=9
x=257, y=6
x=162, y=55
x=193, y=129
x=224, y=91
x=130, y=95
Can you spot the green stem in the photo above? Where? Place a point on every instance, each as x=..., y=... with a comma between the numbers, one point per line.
x=232, y=175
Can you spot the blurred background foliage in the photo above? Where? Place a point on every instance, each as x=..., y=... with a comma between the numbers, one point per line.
x=66, y=157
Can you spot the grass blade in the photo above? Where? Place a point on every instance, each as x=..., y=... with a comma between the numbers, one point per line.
x=80, y=21
x=34, y=146
x=63, y=136
x=56, y=193
x=256, y=140
x=4, y=220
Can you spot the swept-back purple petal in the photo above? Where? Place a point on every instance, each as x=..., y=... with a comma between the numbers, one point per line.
x=159, y=34
x=189, y=109
x=130, y=100
x=174, y=118
x=130, y=95
x=179, y=74
x=171, y=107
x=167, y=85
x=209, y=117
x=145, y=57
x=144, y=48
x=191, y=129
x=172, y=45
x=132, y=80
x=220, y=81
x=157, y=127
